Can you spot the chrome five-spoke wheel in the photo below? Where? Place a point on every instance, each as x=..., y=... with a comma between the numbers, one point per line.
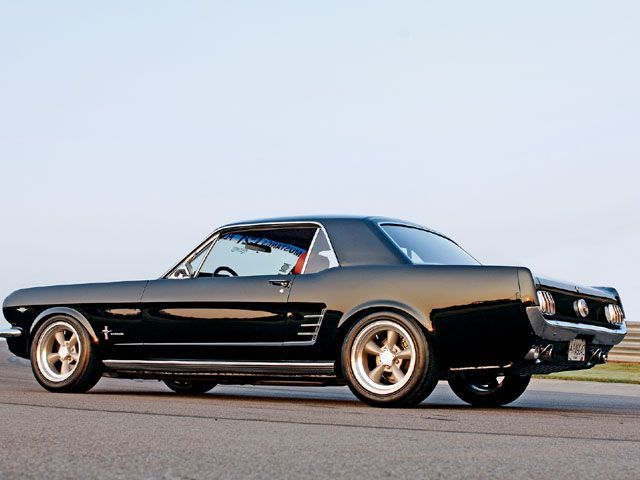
x=63, y=355
x=58, y=351
x=388, y=361
x=383, y=357
x=488, y=385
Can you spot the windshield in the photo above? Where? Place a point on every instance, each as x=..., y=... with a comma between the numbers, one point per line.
x=427, y=248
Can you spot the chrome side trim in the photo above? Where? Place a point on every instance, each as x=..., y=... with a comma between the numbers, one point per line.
x=204, y=344
x=222, y=229
x=12, y=332
x=223, y=367
x=488, y=367
x=66, y=311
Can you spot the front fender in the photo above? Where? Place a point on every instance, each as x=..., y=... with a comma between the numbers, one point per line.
x=20, y=344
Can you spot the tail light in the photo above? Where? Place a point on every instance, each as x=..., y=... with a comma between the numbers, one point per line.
x=547, y=303
x=614, y=314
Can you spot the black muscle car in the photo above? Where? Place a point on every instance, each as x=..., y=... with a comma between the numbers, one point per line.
x=382, y=305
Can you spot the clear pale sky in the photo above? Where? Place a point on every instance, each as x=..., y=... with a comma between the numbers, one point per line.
x=129, y=130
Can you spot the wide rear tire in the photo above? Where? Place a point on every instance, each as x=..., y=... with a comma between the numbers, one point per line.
x=489, y=391
x=388, y=361
x=63, y=356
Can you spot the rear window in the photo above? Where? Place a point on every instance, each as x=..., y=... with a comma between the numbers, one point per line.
x=427, y=248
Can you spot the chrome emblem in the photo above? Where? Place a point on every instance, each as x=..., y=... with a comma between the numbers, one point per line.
x=106, y=332
x=581, y=308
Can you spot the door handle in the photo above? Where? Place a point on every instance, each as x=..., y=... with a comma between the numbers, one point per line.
x=280, y=283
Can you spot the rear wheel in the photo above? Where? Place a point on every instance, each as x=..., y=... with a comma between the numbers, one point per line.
x=489, y=391
x=188, y=386
x=63, y=358
x=388, y=361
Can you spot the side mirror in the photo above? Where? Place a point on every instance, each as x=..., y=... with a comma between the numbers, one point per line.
x=181, y=272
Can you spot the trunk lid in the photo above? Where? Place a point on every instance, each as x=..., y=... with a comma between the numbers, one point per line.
x=566, y=293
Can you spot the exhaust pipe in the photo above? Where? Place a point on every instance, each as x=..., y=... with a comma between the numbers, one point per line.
x=547, y=353
x=533, y=354
x=598, y=356
x=539, y=353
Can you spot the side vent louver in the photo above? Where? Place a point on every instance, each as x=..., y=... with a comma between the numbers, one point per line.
x=311, y=326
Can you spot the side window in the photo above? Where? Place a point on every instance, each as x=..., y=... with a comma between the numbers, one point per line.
x=275, y=251
x=322, y=255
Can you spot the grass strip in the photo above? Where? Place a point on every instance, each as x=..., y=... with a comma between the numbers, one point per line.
x=608, y=372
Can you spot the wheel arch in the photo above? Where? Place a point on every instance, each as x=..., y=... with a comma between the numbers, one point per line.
x=71, y=312
x=381, y=305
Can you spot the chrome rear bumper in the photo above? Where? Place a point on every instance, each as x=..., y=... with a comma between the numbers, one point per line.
x=566, y=331
x=11, y=332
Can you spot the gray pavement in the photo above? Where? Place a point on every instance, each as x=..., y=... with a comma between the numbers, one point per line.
x=139, y=429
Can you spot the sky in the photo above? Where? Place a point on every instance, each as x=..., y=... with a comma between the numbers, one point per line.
x=130, y=130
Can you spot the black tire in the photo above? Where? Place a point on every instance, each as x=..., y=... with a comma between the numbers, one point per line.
x=419, y=379
x=86, y=368
x=189, y=387
x=488, y=392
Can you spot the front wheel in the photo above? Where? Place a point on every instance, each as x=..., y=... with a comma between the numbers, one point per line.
x=388, y=361
x=189, y=387
x=63, y=358
x=489, y=391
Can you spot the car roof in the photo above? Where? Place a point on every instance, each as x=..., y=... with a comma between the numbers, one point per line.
x=322, y=219
x=357, y=239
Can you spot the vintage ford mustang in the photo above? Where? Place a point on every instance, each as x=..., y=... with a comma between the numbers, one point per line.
x=386, y=306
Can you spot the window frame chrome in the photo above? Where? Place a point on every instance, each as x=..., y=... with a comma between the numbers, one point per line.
x=311, y=245
x=207, y=251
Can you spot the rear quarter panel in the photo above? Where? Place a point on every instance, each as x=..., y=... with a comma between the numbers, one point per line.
x=474, y=313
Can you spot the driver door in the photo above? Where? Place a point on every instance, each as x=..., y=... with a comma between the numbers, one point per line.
x=234, y=303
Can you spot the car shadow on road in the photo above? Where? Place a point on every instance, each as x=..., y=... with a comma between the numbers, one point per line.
x=282, y=399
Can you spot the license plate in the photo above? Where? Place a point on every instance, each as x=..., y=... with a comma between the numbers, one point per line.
x=577, y=350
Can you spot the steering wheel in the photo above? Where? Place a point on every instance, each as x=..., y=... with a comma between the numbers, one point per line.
x=224, y=269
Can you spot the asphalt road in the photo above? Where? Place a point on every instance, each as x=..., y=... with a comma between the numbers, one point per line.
x=139, y=429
